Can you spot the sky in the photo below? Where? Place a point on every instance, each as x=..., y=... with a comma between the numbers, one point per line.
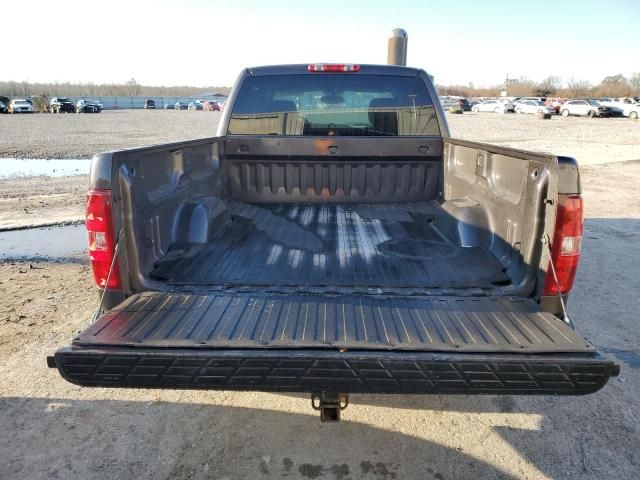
x=207, y=42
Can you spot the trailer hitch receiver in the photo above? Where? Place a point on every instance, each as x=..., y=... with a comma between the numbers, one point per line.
x=330, y=405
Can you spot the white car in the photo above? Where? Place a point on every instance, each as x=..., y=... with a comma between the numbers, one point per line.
x=524, y=99
x=20, y=105
x=590, y=108
x=533, y=106
x=496, y=106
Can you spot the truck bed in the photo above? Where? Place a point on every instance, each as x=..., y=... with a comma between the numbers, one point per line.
x=391, y=245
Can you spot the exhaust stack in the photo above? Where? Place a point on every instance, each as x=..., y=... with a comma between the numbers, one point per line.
x=397, y=49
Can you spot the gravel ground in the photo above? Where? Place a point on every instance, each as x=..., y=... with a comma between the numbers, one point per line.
x=591, y=141
x=83, y=135
x=52, y=429
x=34, y=202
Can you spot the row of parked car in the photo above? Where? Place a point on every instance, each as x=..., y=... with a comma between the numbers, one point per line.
x=65, y=105
x=205, y=105
x=56, y=105
x=591, y=107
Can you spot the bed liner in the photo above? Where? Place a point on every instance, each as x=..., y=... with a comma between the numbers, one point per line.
x=338, y=245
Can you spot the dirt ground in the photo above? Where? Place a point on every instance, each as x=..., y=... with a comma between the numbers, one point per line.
x=38, y=201
x=52, y=429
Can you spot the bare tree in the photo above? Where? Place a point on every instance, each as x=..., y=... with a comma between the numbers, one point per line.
x=634, y=80
x=133, y=87
x=12, y=88
x=614, y=86
x=521, y=88
x=549, y=86
x=578, y=88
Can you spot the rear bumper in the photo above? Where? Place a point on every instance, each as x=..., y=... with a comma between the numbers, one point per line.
x=333, y=371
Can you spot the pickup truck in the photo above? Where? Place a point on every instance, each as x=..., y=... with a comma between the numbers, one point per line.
x=334, y=239
x=61, y=105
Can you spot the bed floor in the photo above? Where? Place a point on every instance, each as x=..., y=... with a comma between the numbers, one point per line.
x=332, y=245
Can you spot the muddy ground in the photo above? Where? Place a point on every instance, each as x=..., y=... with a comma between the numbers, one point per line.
x=37, y=201
x=52, y=429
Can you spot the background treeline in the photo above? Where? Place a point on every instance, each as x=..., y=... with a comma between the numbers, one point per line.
x=130, y=88
x=611, y=86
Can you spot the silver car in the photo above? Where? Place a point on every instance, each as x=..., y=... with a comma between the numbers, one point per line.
x=496, y=106
x=20, y=105
x=591, y=108
x=533, y=106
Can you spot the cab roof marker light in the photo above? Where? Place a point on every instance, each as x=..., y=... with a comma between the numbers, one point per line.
x=333, y=67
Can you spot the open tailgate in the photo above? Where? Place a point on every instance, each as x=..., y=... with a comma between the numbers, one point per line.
x=317, y=343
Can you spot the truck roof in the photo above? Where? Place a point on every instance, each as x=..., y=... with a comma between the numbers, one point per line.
x=302, y=68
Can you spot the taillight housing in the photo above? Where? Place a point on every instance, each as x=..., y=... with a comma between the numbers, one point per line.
x=566, y=244
x=102, y=240
x=333, y=67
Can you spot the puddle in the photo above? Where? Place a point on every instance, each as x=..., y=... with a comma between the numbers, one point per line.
x=16, y=167
x=46, y=242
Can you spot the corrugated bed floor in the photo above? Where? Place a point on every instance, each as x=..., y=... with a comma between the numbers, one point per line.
x=241, y=320
x=336, y=245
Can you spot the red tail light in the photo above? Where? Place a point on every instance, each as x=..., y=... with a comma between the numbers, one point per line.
x=102, y=241
x=565, y=249
x=333, y=67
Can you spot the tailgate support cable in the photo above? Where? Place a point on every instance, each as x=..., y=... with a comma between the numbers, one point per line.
x=113, y=262
x=547, y=242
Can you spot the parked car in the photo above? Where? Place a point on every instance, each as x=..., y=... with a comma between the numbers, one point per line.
x=449, y=101
x=525, y=99
x=626, y=107
x=533, y=106
x=590, y=108
x=180, y=105
x=193, y=106
x=169, y=105
x=149, y=104
x=508, y=104
x=20, y=105
x=496, y=106
x=3, y=108
x=61, y=105
x=211, y=106
x=473, y=102
x=314, y=281
x=87, y=106
x=555, y=103
x=464, y=104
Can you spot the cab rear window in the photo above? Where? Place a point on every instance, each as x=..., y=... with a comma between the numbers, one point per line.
x=333, y=104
